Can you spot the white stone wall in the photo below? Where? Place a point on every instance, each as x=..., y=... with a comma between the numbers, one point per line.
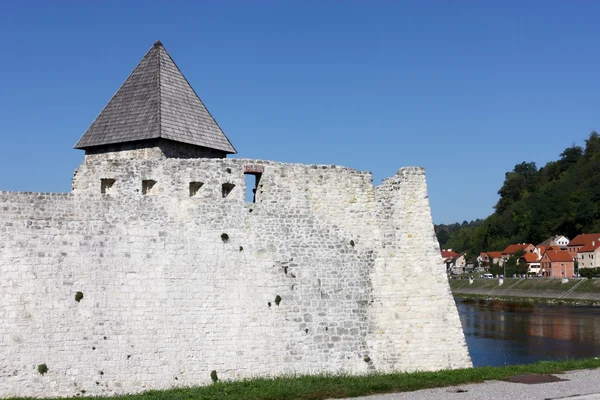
x=166, y=300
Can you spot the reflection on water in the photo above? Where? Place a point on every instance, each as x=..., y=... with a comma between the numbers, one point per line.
x=500, y=332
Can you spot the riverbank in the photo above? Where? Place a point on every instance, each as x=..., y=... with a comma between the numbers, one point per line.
x=578, y=291
x=339, y=386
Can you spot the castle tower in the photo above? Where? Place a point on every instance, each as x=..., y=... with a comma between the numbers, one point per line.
x=155, y=114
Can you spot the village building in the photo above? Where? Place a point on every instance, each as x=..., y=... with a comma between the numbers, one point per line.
x=580, y=241
x=495, y=257
x=588, y=255
x=488, y=258
x=454, y=262
x=482, y=258
x=460, y=263
x=470, y=265
x=540, y=249
x=557, y=263
x=556, y=241
x=533, y=261
x=513, y=248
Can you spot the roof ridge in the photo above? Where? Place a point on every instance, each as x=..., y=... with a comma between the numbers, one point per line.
x=199, y=99
x=111, y=98
x=159, y=44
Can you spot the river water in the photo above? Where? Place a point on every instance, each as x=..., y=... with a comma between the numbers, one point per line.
x=504, y=333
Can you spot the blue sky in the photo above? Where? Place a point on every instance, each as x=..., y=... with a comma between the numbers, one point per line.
x=466, y=89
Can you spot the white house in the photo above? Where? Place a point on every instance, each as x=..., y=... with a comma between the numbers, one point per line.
x=558, y=240
x=588, y=255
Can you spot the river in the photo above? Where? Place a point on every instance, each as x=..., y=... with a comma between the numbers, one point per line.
x=504, y=333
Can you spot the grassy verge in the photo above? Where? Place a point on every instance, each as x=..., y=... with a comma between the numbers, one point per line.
x=534, y=284
x=337, y=386
x=539, y=300
x=589, y=286
x=547, y=284
x=477, y=284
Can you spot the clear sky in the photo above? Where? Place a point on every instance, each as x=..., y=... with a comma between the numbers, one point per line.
x=466, y=89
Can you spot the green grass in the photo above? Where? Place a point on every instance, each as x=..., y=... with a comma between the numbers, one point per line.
x=477, y=283
x=529, y=300
x=534, y=284
x=589, y=286
x=338, y=386
x=538, y=284
x=542, y=290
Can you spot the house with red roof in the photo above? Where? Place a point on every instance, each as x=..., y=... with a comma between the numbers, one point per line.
x=580, y=241
x=540, y=249
x=495, y=257
x=557, y=263
x=454, y=262
x=488, y=258
x=533, y=261
x=587, y=256
x=513, y=248
x=482, y=258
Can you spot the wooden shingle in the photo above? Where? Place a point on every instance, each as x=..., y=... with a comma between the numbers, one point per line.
x=155, y=101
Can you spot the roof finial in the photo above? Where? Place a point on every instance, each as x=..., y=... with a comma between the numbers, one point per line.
x=157, y=44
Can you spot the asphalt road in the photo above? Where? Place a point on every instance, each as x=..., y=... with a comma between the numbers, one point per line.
x=578, y=385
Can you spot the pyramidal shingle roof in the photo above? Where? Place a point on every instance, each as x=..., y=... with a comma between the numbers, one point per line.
x=156, y=101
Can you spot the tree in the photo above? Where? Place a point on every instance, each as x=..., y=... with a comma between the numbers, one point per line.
x=592, y=146
x=442, y=237
x=511, y=266
x=518, y=254
x=523, y=178
x=562, y=197
x=496, y=269
x=569, y=158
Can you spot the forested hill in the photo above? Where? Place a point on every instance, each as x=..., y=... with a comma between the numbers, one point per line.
x=563, y=197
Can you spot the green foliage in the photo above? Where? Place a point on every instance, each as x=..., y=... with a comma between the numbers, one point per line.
x=518, y=254
x=496, y=269
x=42, y=369
x=589, y=272
x=562, y=197
x=442, y=237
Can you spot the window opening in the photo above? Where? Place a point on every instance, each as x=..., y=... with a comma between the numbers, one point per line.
x=149, y=186
x=252, y=181
x=106, y=186
x=194, y=187
x=226, y=189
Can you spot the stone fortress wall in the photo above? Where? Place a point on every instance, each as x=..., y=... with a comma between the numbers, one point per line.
x=181, y=276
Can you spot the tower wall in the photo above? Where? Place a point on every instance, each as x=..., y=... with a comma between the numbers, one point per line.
x=150, y=149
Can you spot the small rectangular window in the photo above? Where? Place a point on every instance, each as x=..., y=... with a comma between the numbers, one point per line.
x=226, y=188
x=149, y=186
x=106, y=186
x=195, y=187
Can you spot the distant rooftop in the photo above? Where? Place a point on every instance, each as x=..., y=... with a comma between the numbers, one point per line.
x=156, y=101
